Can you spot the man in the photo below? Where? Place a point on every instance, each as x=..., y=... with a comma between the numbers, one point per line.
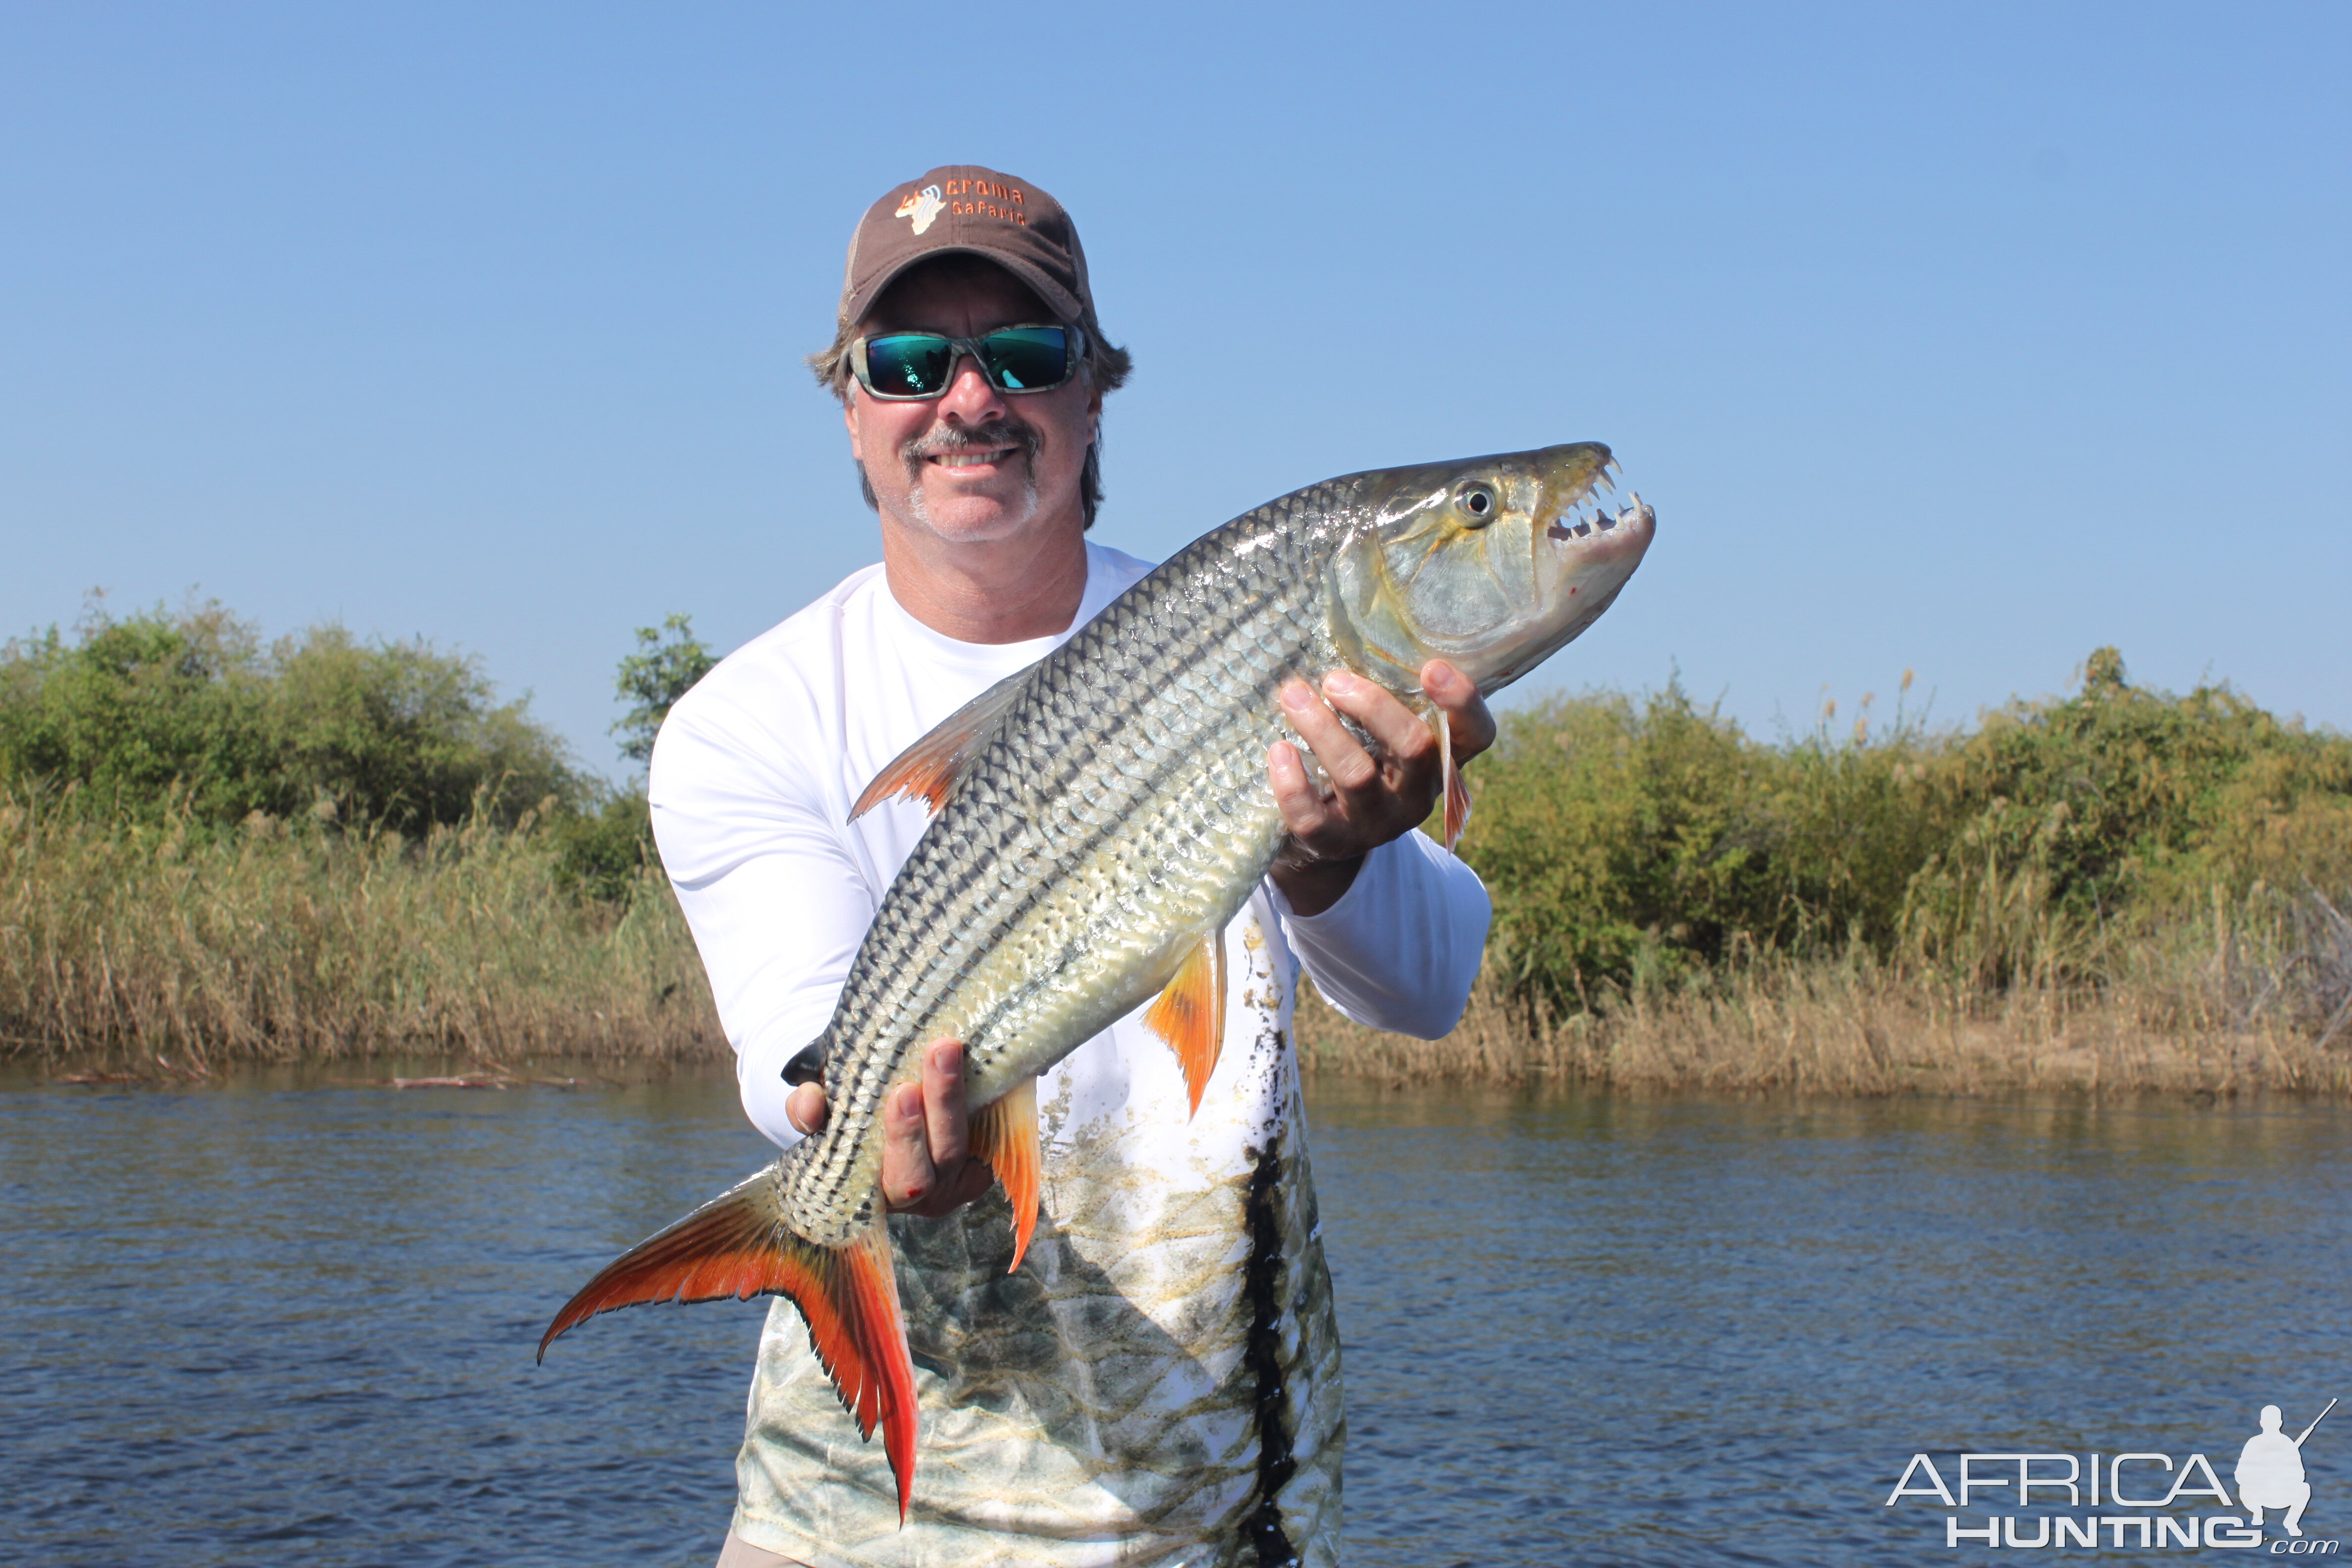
x=1157, y=1383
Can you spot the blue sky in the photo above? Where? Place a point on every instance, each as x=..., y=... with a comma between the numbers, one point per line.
x=1962, y=338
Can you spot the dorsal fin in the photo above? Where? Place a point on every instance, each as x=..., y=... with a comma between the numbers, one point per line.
x=930, y=768
x=1191, y=1014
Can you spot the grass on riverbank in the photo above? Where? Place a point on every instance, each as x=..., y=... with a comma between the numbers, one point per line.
x=2263, y=1010
x=153, y=950
x=2122, y=888
x=147, y=943
x=215, y=851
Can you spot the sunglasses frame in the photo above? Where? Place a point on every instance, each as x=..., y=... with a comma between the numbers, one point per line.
x=1074, y=356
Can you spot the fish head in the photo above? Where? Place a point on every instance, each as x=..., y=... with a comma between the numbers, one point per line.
x=1490, y=563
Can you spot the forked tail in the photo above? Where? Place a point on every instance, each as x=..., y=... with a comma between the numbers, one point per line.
x=737, y=1245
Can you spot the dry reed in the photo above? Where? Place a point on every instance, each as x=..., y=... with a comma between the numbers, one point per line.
x=155, y=948
x=151, y=944
x=2232, y=1004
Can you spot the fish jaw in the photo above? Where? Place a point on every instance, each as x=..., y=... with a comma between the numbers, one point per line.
x=1492, y=564
x=1582, y=562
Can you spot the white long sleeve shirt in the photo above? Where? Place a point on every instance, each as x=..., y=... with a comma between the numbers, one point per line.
x=751, y=783
x=753, y=780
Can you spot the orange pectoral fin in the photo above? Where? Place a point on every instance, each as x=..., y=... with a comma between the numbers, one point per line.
x=1191, y=1014
x=1457, y=793
x=737, y=1245
x=1004, y=1133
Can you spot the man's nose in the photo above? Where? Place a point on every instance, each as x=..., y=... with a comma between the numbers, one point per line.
x=969, y=399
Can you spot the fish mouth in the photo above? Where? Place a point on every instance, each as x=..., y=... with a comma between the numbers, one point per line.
x=1586, y=516
x=1584, y=541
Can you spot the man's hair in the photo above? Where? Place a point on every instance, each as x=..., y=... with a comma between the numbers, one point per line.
x=1104, y=364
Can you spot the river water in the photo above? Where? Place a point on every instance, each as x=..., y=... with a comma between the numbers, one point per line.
x=282, y=1321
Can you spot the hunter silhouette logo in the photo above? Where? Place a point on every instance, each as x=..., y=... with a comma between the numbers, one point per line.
x=2270, y=1472
x=922, y=207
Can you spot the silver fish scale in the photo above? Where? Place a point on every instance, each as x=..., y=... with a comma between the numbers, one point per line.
x=1118, y=812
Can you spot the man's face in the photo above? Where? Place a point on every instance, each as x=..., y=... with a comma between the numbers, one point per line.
x=972, y=465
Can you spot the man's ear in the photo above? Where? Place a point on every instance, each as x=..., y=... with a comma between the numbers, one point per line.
x=849, y=420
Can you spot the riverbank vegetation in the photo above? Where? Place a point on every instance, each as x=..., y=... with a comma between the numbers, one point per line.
x=2120, y=889
x=214, y=849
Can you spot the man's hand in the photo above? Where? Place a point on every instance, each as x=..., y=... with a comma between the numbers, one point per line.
x=926, y=1166
x=1372, y=798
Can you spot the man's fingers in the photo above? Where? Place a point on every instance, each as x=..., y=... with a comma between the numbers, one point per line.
x=1399, y=794
x=927, y=1139
x=1465, y=709
x=805, y=1109
x=908, y=1177
x=946, y=1122
x=1345, y=764
x=1401, y=731
x=1295, y=794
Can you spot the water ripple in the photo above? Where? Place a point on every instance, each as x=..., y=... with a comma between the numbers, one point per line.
x=277, y=1322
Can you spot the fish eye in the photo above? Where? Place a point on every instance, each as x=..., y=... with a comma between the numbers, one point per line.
x=1476, y=503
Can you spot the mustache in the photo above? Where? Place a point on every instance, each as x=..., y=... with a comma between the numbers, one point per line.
x=943, y=439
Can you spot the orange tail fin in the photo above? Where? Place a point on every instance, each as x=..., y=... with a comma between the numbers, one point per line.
x=737, y=1245
x=1191, y=1014
x=1004, y=1133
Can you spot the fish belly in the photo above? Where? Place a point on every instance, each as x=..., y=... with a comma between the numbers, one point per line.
x=1098, y=944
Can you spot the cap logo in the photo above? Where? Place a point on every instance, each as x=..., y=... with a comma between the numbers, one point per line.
x=922, y=207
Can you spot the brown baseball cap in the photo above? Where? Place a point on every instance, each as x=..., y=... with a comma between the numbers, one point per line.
x=964, y=207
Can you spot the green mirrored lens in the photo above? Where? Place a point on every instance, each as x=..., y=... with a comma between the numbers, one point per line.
x=909, y=365
x=1026, y=359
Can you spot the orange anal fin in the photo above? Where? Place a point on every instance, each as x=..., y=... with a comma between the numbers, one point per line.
x=871, y=1369
x=1457, y=793
x=1191, y=1014
x=929, y=769
x=737, y=1245
x=1004, y=1133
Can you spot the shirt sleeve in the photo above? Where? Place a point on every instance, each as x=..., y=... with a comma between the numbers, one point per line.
x=1400, y=949
x=776, y=902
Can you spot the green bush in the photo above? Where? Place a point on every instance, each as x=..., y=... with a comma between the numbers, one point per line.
x=1628, y=842
x=604, y=853
x=191, y=719
x=155, y=713
x=670, y=660
x=603, y=848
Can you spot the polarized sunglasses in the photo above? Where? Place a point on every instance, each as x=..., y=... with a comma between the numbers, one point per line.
x=906, y=368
